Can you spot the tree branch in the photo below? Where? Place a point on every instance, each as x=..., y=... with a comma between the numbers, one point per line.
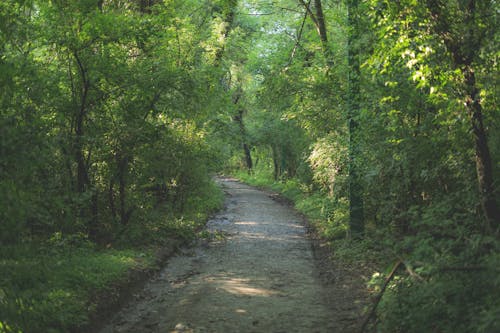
x=297, y=43
x=388, y=279
x=311, y=14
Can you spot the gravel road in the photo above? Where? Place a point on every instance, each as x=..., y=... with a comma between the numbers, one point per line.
x=256, y=274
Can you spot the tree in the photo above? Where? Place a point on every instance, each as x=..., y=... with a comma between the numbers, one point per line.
x=356, y=221
x=318, y=18
x=100, y=90
x=465, y=27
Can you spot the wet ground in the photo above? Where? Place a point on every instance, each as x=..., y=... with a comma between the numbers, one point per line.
x=256, y=274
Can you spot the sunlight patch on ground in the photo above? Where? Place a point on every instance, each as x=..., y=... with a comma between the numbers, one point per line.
x=266, y=237
x=246, y=223
x=240, y=287
x=271, y=223
x=182, y=328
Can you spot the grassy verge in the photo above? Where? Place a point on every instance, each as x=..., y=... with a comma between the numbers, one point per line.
x=52, y=289
x=57, y=284
x=430, y=278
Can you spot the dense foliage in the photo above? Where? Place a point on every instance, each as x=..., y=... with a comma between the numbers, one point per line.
x=102, y=116
x=399, y=118
x=104, y=108
x=380, y=117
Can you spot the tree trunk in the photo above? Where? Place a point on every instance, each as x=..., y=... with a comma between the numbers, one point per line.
x=318, y=19
x=122, y=163
x=356, y=209
x=81, y=168
x=82, y=173
x=322, y=28
x=246, y=147
x=248, y=157
x=111, y=198
x=464, y=51
x=82, y=179
x=93, y=225
x=484, y=168
x=276, y=164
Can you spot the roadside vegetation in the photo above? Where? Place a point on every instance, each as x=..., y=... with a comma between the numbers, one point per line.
x=60, y=282
x=379, y=118
x=104, y=160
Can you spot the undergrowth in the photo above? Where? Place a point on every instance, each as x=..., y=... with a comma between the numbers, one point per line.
x=447, y=280
x=51, y=285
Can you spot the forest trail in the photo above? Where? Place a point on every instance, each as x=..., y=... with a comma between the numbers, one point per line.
x=261, y=276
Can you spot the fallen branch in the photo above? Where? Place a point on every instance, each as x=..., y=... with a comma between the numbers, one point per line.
x=410, y=271
x=388, y=279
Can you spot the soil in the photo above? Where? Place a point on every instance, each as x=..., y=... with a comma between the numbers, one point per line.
x=258, y=271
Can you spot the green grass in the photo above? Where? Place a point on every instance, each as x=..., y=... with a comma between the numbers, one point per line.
x=53, y=290
x=52, y=285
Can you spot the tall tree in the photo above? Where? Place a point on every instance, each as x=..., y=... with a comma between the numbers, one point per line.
x=227, y=11
x=356, y=210
x=318, y=19
x=238, y=118
x=465, y=27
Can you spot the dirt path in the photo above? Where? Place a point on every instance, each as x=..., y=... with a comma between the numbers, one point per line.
x=259, y=277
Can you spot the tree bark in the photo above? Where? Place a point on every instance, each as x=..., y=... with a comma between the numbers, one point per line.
x=276, y=164
x=82, y=173
x=122, y=163
x=82, y=179
x=248, y=157
x=484, y=167
x=356, y=207
x=111, y=198
x=322, y=27
x=246, y=147
x=318, y=19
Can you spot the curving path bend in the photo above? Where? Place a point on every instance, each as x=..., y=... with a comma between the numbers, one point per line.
x=259, y=277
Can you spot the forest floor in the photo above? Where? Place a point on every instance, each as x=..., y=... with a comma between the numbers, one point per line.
x=257, y=271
